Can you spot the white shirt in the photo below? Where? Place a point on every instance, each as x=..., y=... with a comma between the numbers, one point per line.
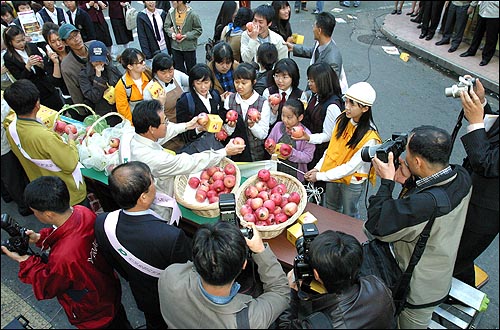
x=260, y=129
x=180, y=77
x=274, y=117
x=159, y=23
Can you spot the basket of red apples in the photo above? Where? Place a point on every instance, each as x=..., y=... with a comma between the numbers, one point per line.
x=200, y=192
x=272, y=200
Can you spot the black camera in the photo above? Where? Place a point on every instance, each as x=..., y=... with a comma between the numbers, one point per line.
x=301, y=268
x=396, y=145
x=18, y=240
x=247, y=232
x=227, y=207
x=464, y=84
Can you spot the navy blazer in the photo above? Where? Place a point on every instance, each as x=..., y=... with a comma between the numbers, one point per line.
x=146, y=34
x=83, y=22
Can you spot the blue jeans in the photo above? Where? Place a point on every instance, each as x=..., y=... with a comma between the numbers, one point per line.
x=344, y=198
x=348, y=3
x=319, y=6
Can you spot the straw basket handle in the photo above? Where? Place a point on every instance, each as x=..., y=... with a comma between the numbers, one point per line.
x=97, y=121
x=72, y=106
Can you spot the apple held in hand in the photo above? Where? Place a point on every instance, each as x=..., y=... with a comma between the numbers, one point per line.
x=70, y=129
x=60, y=126
x=270, y=144
x=114, y=142
x=285, y=150
x=232, y=115
x=178, y=36
x=112, y=150
x=298, y=131
x=239, y=141
x=253, y=114
x=275, y=99
x=202, y=119
x=249, y=26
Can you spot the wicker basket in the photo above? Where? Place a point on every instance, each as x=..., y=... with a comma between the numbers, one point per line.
x=292, y=184
x=207, y=211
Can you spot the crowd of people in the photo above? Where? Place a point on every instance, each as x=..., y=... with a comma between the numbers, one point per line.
x=251, y=62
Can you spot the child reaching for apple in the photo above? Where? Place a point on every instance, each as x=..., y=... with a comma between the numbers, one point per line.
x=299, y=152
x=252, y=120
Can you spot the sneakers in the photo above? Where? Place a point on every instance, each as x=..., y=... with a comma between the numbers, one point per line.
x=316, y=12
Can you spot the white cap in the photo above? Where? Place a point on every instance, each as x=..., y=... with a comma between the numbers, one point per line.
x=362, y=93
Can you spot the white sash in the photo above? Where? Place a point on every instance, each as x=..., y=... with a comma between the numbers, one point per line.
x=46, y=164
x=110, y=229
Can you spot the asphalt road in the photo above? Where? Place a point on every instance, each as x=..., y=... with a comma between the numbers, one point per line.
x=409, y=94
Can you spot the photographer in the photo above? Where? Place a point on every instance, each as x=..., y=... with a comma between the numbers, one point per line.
x=350, y=302
x=481, y=146
x=76, y=273
x=400, y=221
x=207, y=289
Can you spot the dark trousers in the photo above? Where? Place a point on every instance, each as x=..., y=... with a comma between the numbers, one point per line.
x=431, y=16
x=456, y=19
x=184, y=60
x=473, y=243
x=14, y=179
x=120, y=321
x=155, y=321
x=490, y=27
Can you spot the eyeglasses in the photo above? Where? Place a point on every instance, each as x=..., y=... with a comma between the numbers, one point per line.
x=139, y=62
x=165, y=121
x=73, y=35
x=281, y=76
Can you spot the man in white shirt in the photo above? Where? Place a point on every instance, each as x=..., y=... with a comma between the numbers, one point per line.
x=251, y=40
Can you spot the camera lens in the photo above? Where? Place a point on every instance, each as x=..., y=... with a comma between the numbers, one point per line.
x=367, y=153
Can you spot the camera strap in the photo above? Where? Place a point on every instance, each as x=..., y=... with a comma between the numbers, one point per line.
x=110, y=223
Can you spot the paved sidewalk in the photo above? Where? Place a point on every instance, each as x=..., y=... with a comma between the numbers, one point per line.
x=404, y=33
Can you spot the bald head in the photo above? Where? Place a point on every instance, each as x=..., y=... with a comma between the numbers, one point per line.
x=128, y=181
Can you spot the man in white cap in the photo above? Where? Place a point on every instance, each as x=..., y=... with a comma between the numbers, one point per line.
x=341, y=166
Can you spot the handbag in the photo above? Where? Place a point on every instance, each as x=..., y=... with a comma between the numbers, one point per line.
x=206, y=141
x=378, y=259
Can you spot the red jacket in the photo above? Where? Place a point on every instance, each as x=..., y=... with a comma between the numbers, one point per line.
x=84, y=284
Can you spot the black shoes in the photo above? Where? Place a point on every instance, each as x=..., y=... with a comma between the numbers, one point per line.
x=394, y=12
x=484, y=62
x=419, y=26
x=422, y=36
x=429, y=36
x=442, y=42
x=415, y=20
x=399, y=12
x=452, y=49
x=466, y=54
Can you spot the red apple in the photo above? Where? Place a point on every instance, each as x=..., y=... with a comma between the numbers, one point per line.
x=280, y=217
x=297, y=131
x=239, y=141
x=270, y=219
x=178, y=36
x=270, y=144
x=294, y=197
x=232, y=115
x=205, y=186
x=253, y=114
x=202, y=119
x=249, y=26
x=264, y=175
x=249, y=217
x=275, y=99
x=256, y=203
x=201, y=195
x=211, y=170
x=251, y=192
x=221, y=135
x=290, y=208
x=261, y=186
x=211, y=193
x=276, y=198
x=218, y=185
x=229, y=181
x=60, y=126
x=272, y=182
x=264, y=195
x=218, y=175
x=230, y=169
x=87, y=130
x=245, y=209
x=284, y=201
x=114, y=142
x=204, y=175
x=194, y=182
x=213, y=199
x=277, y=209
x=262, y=213
x=285, y=150
x=112, y=150
x=70, y=128
x=269, y=204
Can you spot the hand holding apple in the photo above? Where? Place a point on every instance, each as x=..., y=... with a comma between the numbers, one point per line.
x=234, y=149
x=297, y=131
x=231, y=116
x=203, y=119
x=270, y=145
x=253, y=116
x=304, y=137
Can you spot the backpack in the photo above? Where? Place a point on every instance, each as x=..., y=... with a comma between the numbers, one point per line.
x=131, y=17
x=128, y=89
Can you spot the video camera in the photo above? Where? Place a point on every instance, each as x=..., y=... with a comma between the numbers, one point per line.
x=396, y=145
x=18, y=240
x=227, y=207
x=464, y=84
x=301, y=268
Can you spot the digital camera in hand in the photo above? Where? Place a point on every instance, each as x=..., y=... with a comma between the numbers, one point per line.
x=464, y=84
x=396, y=145
x=227, y=207
x=18, y=240
x=301, y=268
